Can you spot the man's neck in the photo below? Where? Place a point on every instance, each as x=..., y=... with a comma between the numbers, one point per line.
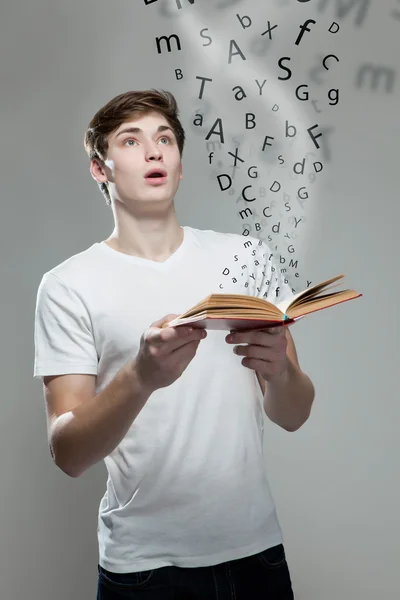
x=152, y=242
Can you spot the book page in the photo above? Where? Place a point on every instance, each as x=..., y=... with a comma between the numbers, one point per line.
x=311, y=291
x=284, y=305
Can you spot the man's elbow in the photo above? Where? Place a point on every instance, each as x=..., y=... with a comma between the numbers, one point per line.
x=292, y=428
x=295, y=426
x=64, y=466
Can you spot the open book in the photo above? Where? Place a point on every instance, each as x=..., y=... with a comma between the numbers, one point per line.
x=237, y=311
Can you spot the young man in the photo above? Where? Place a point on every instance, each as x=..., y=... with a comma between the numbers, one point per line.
x=176, y=414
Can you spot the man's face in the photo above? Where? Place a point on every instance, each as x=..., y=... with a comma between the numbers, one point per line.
x=139, y=146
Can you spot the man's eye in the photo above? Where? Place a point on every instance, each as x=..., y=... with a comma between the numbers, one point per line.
x=128, y=142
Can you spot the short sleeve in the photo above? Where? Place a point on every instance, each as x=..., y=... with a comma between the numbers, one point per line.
x=63, y=335
x=271, y=281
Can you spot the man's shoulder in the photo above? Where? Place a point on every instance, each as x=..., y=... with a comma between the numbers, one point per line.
x=76, y=267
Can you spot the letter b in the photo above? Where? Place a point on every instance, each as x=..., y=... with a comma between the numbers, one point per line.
x=290, y=127
x=241, y=19
x=250, y=120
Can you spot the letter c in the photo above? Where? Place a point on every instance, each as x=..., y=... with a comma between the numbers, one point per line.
x=326, y=58
x=244, y=195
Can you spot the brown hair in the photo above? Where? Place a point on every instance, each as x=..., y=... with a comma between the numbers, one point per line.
x=122, y=108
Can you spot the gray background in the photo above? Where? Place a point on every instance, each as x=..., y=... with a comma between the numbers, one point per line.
x=335, y=481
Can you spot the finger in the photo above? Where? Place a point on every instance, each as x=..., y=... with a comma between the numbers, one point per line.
x=180, y=355
x=259, y=338
x=270, y=329
x=268, y=370
x=156, y=336
x=256, y=365
x=163, y=320
x=182, y=351
x=173, y=338
x=258, y=352
x=275, y=330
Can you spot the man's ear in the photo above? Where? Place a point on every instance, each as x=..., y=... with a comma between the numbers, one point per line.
x=181, y=174
x=98, y=171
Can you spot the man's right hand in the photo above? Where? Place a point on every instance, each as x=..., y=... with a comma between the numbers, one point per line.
x=165, y=353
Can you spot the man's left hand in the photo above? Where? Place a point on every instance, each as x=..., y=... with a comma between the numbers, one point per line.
x=265, y=351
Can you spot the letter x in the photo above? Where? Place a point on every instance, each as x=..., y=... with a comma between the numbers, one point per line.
x=269, y=30
x=236, y=157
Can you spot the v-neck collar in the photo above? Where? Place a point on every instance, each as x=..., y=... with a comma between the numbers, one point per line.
x=146, y=262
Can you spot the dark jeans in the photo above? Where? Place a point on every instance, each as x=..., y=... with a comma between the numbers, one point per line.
x=263, y=576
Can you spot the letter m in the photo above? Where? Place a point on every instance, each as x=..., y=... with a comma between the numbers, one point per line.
x=345, y=6
x=293, y=263
x=167, y=39
x=245, y=212
x=376, y=74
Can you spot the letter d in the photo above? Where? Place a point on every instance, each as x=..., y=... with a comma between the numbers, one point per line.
x=337, y=25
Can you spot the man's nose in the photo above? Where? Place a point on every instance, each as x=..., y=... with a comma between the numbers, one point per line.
x=154, y=156
x=154, y=152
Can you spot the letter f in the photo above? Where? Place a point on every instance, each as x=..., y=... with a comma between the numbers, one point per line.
x=303, y=29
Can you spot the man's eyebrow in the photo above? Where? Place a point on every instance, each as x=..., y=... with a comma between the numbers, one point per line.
x=138, y=130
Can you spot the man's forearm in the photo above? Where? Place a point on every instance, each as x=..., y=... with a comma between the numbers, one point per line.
x=87, y=434
x=288, y=398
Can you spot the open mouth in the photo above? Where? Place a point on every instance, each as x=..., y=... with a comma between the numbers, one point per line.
x=156, y=178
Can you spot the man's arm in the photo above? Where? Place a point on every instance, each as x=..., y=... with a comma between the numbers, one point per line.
x=288, y=398
x=84, y=428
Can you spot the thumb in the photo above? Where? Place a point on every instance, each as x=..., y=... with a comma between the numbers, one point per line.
x=164, y=320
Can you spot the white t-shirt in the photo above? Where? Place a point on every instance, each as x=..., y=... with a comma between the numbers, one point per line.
x=187, y=485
